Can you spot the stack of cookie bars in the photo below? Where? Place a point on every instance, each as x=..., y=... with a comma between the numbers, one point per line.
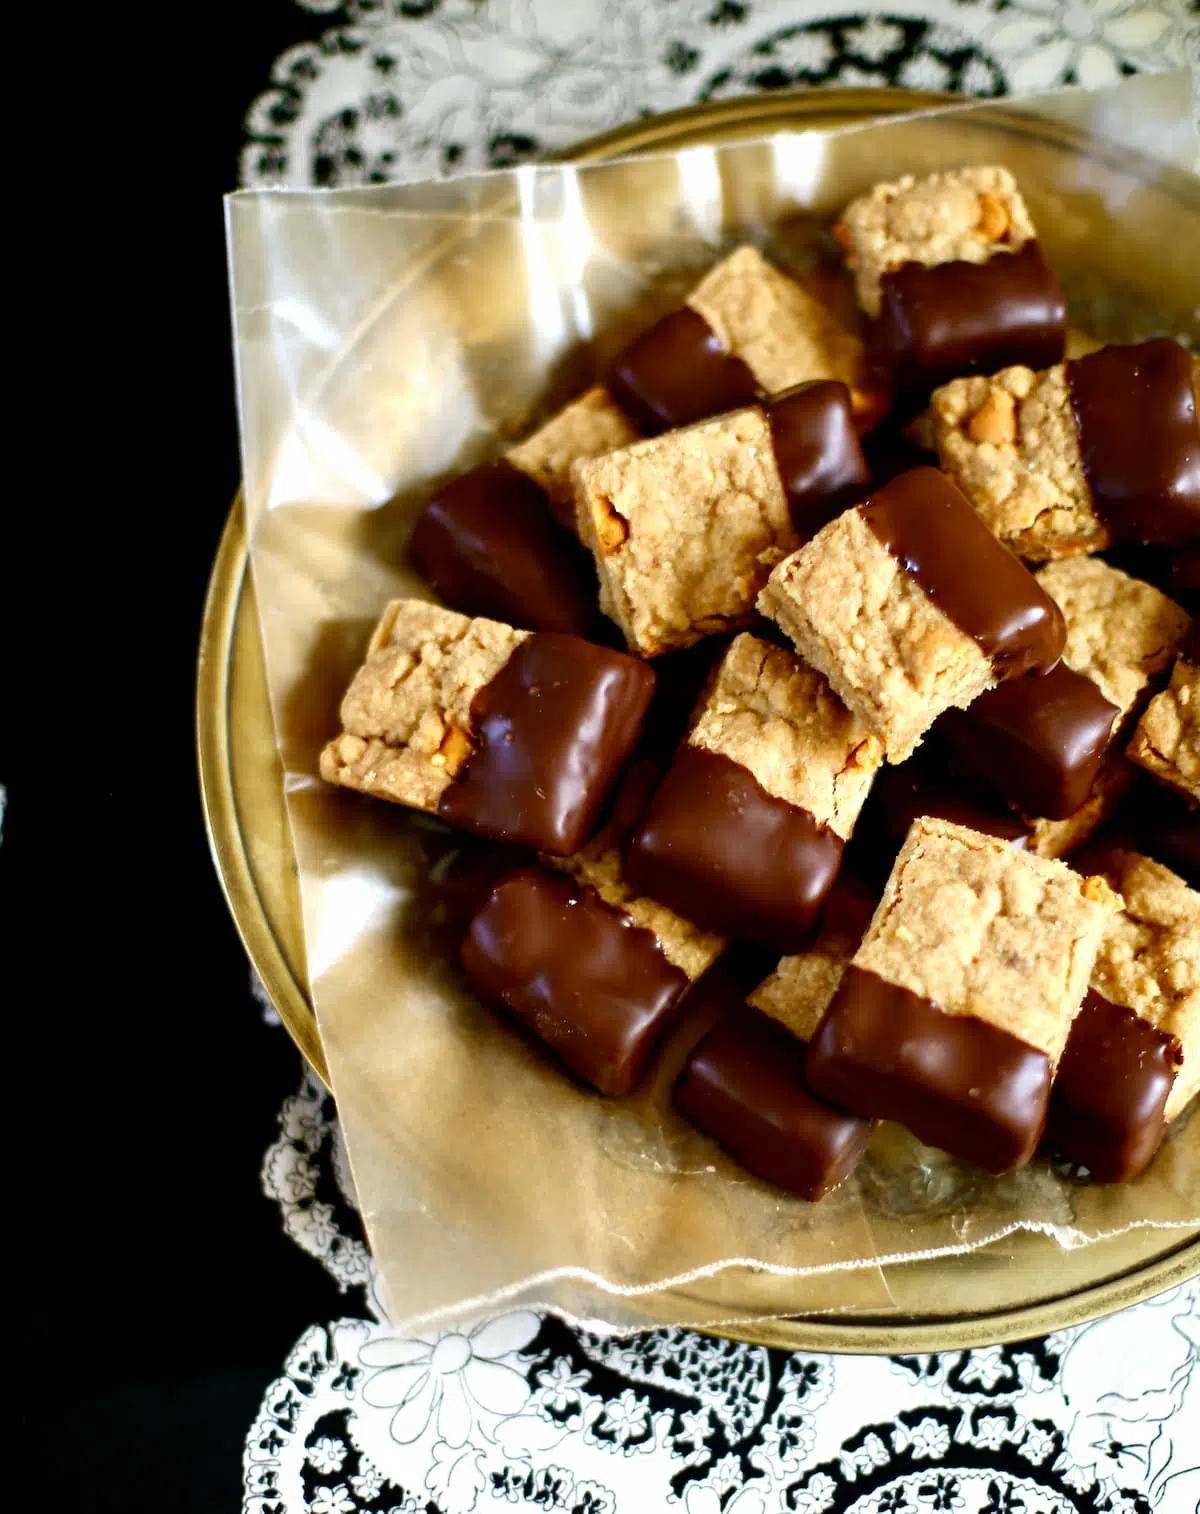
x=867, y=651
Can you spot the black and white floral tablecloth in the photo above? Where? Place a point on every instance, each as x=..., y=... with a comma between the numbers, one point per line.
x=521, y=1411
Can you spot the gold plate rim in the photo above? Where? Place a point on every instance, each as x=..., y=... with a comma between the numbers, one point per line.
x=223, y=605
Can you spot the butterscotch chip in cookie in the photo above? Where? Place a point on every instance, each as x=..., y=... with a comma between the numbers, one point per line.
x=407, y=723
x=587, y=427
x=510, y=735
x=1104, y=448
x=1011, y=445
x=962, y=215
x=1167, y=739
x=1132, y=1062
x=685, y=529
x=955, y=1009
x=745, y=833
x=950, y=272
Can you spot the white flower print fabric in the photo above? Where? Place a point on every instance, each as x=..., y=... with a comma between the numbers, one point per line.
x=520, y=1411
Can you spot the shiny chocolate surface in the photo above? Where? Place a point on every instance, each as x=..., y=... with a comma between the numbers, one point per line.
x=817, y=451
x=927, y=525
x=744, y=1085
x=555, y=727
x=1135, y=410
x=1040, y=739
x=955, y=1081
x=718, y=849
x=677, y=372
x=489, y=544
x=576, y=971
x=1113, y=1082
x=958, y=318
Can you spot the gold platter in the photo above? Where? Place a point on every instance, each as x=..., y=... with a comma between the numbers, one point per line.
x=1021, y=1286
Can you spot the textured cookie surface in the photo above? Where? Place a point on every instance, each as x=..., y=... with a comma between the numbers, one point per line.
x=979, y=928
x=779, y=718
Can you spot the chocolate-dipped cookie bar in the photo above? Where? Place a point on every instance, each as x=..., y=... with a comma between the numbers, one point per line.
x=685, y=527
x=745, y=331
x=1166, y=742
x=1041, y=739
x=509, y=734
x=909, y=605
x=1132, y=1060
x=1101, y=450
x=594, y=971
x=744, y=1083
x=949, y=271
x=745, y=833
x=955, y=1009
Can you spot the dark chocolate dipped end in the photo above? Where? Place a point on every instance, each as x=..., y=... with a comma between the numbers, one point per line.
x=489, y=544
x=744, y=1085
x=817, y=451
x=1040, y=739
x=555, y=727
x=927, y=525
x=955, y=1081
x=959, y=318
x=1139, y=440
x=1112, y=1085
x=677, y=372
x=575, y=971
x=928, y=783
x=718, y=849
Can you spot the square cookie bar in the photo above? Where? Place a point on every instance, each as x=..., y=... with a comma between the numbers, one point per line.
x=746, y=331
x=744, y=1083
x=685, y=528
x=909, y=605
x=954, y=1011
x=504, y=733
x=1041, y=739
x=1103, y=449
x=948, y=269
x=745, y=834
x=1132, y=1060
x=1167, y=740
x=593, y=971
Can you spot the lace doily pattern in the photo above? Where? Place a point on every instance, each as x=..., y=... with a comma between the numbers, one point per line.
x=522, y=1412
x=404, y=89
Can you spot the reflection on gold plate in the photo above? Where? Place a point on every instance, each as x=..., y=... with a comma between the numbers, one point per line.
x=1020, y=1286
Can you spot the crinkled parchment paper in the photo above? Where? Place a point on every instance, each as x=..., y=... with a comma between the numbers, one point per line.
x=389, y=336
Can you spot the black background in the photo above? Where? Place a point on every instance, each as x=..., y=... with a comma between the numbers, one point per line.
x=153, y=1292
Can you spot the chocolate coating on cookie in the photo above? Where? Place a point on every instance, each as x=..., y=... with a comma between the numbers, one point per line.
x=924, y=522
x=820, y=459
x=489, y=544
x=744, y=1084
x=955, y=1081
x=555, y=726
x=718, y=849
x=1135, y=410
x=1112, y=1085
x=1040, y=739
x=577, y=972
x=677, y=372
x=954, y=318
